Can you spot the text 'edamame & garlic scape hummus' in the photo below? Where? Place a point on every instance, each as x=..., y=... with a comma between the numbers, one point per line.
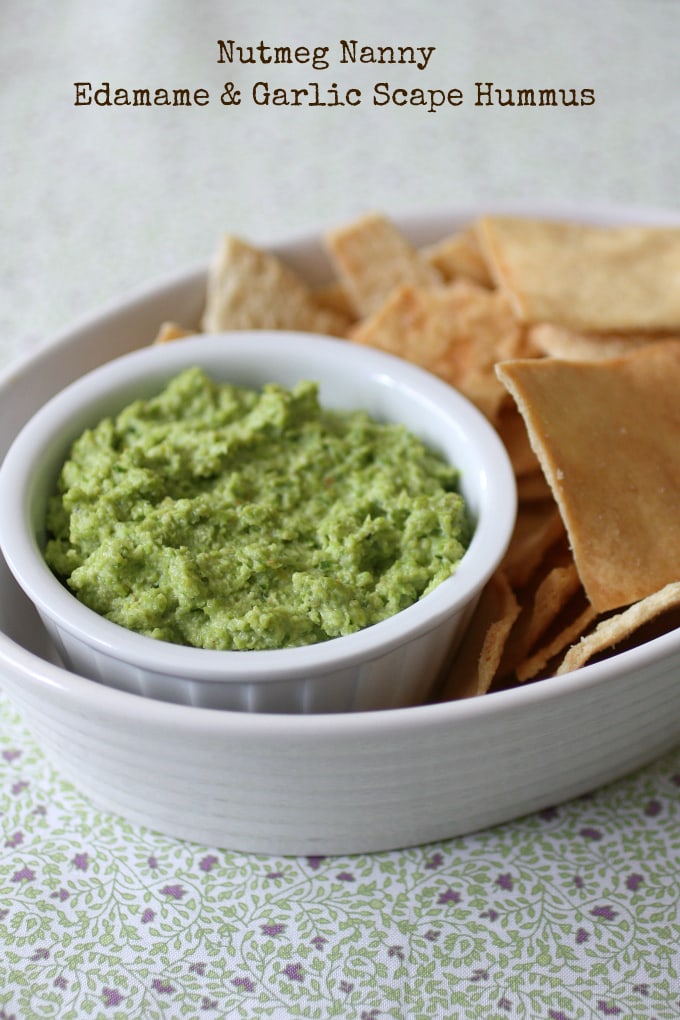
x=222, y=517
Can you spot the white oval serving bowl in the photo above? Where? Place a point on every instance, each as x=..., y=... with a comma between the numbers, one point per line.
x=333, y=783
x=391, y=664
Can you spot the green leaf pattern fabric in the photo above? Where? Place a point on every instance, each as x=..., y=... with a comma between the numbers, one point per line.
x=570, y=914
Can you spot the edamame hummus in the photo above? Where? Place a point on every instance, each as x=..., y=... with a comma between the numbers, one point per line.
x=222, y=517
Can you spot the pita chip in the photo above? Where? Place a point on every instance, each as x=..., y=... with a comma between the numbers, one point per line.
x=249, y=288
x=615, y=629
x=478, y=657
x=607, y=436
x=586, y=277
x=372, y=257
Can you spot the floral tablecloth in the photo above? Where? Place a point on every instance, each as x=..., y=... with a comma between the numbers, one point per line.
x=570, y=914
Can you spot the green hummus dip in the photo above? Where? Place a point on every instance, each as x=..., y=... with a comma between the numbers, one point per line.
x=222, y=517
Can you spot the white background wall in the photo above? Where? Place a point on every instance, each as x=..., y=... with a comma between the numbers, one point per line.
x=94, y=201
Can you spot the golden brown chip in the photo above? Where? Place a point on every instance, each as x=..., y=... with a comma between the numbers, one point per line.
x=538, y=527
x=249, y=288
x=580, y=615
x=454, y=331
x=477, y=659
x=607, y=435
x=586, y=277
x=372, y=257
x=543, y=601
x=552, y=595
x=512, y=430
x=335, y=298
x=616, y=629
x=558, y=342
x=171, y=331
x=533, y=488
x=459, y=256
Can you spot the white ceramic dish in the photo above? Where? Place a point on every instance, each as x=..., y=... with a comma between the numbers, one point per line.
x=334, y=783
x=389, y=665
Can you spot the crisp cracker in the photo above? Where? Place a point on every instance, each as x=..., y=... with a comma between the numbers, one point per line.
x=334, y=297
x=558, y=342
x=454, y=331
x=459, y=255
x=533, y=488
x=171, y=331
x=249, y=288
x=478, y=657
x=615, y=629
x=543, y=600
x=591, y=278
x=512, y=430
x=607, y=435
x=580, y=619
x=371, y=257
x=538, y=528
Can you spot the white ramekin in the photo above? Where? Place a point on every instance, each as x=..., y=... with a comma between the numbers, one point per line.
x=391, y=664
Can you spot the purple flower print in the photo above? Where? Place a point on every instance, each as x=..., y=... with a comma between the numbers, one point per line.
x=294, y=972
x=504, y=1003
x=345, y=876
x=314, y=862
x=578, y=882
x=175, y=891
x=197, y=968
x=208, y=863
x=608, y=1010
x=81, y=861
x=41, y=954
x=607, y=913
x=642, y=989
x=148, y=916
x=274, y=874
x=448, y=896
x=319, y=942
x=491, y=914
x=581, y=936
x=272, y=929
x=152, y=862
x=675, y=779
x=370, y=1014
x=24, y=875
x=60, y=982
x=505, y=882
x=245, y=983
x=18, y=787
x=432, y=935
x=634, y=881
x=15, y=840
x=479, y=974
x=60, y=894
x=653, y=808
x=397, y=951
x=162, y=987
x=346, y=986
x=435, y=861
x=112, y=997
x=590, y=833
x=12, y=755
x=548, y=815
x=557, y=1014
x=208, y=1003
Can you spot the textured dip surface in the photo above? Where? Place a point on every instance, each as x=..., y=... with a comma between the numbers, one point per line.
x=222, y=517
